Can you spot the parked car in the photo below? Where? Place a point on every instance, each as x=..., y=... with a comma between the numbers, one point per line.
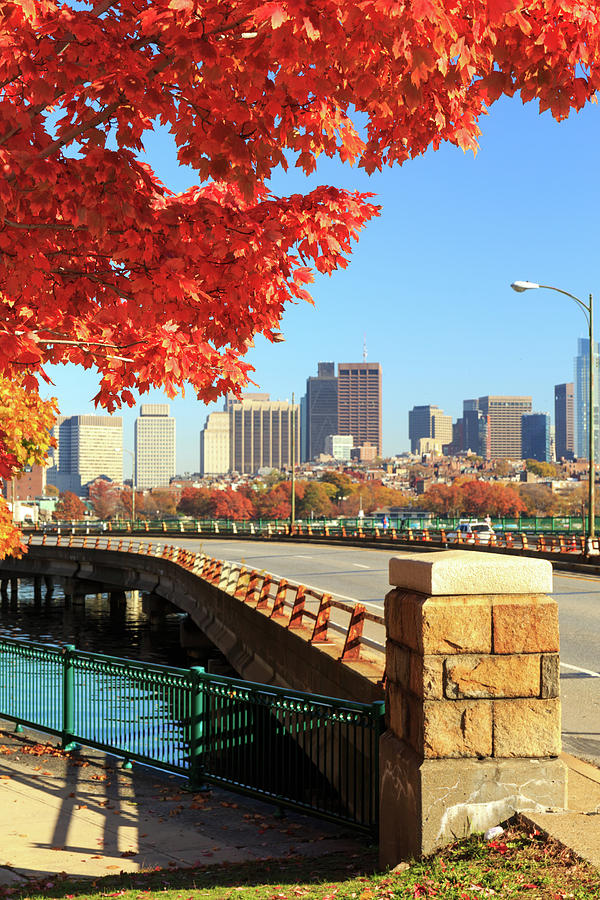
x=467, y=531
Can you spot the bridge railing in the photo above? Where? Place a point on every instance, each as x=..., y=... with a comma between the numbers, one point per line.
x=400, y=523
x=314, y=753
x=525, y=535
x=317, y=614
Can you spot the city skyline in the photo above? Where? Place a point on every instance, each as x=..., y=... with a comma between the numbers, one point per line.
x=429, y=281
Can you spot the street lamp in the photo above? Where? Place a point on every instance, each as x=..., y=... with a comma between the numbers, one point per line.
x=588, y=311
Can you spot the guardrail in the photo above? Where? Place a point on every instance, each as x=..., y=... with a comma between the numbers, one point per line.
x=562, y=542
x=402, y=523
x=290, y=604
x=317, y=754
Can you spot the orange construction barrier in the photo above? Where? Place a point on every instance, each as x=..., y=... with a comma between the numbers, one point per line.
x=240, y=590
x=355, y=629
x=298, y=610
x=319, y=635
x=252, y=594
x=265, y=590
x=279, y=606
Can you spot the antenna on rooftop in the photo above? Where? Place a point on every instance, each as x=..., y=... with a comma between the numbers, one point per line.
x=365, y=348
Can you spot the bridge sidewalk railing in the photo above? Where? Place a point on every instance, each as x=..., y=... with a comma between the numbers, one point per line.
x=313, y=753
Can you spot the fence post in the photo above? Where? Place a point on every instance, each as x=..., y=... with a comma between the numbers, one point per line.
x=472, y=698
x=68, y=723
x=197, y=728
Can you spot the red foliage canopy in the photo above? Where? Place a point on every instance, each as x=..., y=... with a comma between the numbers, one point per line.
x=155, y=288
x=103, y=265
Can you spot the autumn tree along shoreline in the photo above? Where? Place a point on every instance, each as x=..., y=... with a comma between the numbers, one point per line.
x=104, y=266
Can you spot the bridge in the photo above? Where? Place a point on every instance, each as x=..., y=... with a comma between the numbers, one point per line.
x=440, y=727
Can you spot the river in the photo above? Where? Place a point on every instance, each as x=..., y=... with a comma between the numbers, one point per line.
x=117, y=630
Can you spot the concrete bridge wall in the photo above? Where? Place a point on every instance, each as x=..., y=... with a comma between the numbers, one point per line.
x=257, y=647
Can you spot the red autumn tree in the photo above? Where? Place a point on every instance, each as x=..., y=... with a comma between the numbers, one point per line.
x=69, y=507
x=103, y=265
x=195, y=502
x=230, y=504
x=105, y=498
x=275, y=503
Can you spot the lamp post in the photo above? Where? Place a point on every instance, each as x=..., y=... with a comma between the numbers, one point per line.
x=293, y=491
x=588, y=311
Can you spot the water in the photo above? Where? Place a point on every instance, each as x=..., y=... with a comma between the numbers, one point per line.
x=124, y=631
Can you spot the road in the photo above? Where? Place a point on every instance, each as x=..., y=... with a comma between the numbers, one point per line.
x=351, y=573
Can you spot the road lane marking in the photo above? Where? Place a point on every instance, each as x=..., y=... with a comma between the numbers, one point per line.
x=360, y=566
x=579, y=669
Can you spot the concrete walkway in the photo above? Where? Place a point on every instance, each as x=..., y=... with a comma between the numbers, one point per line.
x=84, y=816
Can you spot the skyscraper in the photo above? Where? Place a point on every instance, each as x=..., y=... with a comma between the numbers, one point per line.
x=215, y=442
x=321, y=408
x=504, y=424
x=428, y=421
x=154, y=446
x=535, y=436
x=86, y=448
x=581, y=399
x=261, y=435
x=475, y=431
x=359, y=403
x=564, y=420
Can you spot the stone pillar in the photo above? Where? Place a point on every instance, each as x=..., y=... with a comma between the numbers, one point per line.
x=472, y=697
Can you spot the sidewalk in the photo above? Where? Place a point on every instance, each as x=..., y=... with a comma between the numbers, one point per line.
x=84, y=816
x=578, y=826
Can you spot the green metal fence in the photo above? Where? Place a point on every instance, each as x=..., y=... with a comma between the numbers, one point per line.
x=333, y=527
x=313, y=753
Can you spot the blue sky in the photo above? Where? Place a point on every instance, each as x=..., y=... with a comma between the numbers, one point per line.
x=429, y=281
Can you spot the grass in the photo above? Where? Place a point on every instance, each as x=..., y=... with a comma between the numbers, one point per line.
x=517, y=865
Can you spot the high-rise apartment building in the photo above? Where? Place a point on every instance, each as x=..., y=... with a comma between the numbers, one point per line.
x=215, y=444
x=535, y=436
x=321, y=408
x=581, y=399
x=504, y=416
x=564, y=431
x=87, y=447
x=359, y=403
x=428, y=422
x=261, y=435
x=154, y=446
